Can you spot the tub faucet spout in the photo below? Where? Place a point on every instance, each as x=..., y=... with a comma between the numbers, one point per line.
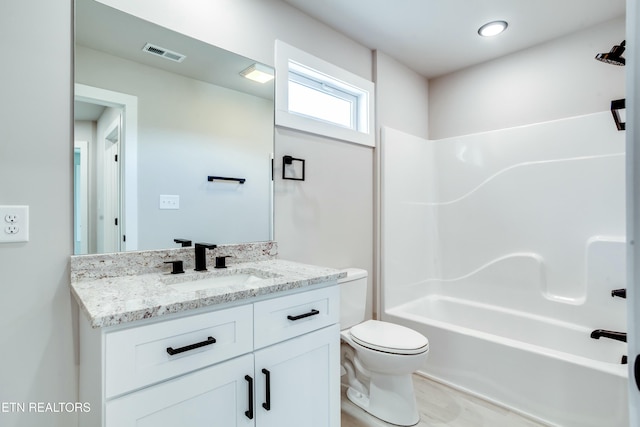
x=618, y=336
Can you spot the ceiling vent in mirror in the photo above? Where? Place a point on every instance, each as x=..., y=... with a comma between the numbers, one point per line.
x=165, y=53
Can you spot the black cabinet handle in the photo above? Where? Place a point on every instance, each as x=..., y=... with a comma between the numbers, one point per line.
x=302, y=316
x=249, y=412
x=636, y=371
x=267, y=404
x=172, y=351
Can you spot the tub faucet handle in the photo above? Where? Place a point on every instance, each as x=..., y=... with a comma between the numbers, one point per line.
x=622, y=293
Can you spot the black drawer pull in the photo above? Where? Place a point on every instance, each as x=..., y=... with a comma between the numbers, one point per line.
x=172, y=351
x=267, y=404
x=249, y=413
x=302, y=316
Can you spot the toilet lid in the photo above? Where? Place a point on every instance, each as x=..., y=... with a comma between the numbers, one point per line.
x=389, y=337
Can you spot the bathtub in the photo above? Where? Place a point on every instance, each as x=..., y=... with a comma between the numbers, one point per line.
x=548, y=369
x=503, y=248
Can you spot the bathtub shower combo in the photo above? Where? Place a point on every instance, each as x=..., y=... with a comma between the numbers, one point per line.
x=505, y=248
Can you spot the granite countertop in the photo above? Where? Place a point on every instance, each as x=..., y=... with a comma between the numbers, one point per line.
x=109, y=301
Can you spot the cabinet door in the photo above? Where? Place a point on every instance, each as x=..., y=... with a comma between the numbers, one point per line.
x=215, y=396
x=298, y=381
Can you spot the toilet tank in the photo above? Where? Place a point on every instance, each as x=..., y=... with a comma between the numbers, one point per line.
x=353, y=297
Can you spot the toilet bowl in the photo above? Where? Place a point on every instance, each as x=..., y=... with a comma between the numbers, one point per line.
x=378, y=358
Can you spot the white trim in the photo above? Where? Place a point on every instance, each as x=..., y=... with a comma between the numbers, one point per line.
x=81, y=200
x=285, y=53
x=633, y=201
x=129, y=103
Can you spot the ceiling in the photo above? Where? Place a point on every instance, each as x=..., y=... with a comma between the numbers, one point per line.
x=436, y=37
x=108, y=30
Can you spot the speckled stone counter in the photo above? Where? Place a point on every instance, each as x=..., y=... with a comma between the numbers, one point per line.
x=143, y=262
x=144, y=288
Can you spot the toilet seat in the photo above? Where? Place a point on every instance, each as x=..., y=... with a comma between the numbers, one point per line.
x=389, y=338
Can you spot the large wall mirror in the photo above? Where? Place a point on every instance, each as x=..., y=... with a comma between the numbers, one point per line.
x=151, y=127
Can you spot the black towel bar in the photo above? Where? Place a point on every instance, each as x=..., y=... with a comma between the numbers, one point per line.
x=225, y=178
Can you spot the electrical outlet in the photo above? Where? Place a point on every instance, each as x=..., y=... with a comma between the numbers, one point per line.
x=16, y=224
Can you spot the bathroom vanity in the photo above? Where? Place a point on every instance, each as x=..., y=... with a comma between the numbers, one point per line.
x=255, y=344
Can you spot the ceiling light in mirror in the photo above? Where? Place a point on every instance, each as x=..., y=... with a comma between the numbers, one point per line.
x=493, y=28
x=258, y=73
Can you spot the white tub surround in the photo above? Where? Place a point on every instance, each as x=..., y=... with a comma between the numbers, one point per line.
x=123, y=287
x=502, y=248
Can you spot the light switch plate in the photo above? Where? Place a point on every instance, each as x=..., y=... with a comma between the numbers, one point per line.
x=14, y=224
x=169, y=201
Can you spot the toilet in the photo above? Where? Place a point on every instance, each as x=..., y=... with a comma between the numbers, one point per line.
x=377, y=358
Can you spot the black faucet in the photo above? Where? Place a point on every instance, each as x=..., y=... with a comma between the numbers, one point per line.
x=201, y=255
x=618, y=336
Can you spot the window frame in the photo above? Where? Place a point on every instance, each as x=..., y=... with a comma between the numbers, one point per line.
x=291, y=63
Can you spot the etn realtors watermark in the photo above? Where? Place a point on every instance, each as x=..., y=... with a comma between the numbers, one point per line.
x=44, y=407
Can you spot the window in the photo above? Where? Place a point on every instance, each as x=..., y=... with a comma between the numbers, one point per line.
x=315, y=96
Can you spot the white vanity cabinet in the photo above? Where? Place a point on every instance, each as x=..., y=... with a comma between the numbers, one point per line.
x=297, y=360
x=298, y=381
x=274, y=362
x=214, y=396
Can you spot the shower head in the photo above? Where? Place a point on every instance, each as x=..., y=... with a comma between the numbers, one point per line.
x=614, y=57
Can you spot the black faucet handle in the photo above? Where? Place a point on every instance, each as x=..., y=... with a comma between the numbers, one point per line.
x=206, y=245
x=220, y=261
x=177, y=267
x=184, y=242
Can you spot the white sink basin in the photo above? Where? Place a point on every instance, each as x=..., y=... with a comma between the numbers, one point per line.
x=202, y=281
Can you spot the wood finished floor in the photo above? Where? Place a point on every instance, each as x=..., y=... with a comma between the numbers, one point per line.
x=440, y=405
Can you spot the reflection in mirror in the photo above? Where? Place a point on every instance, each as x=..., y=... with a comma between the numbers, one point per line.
x=150, y=130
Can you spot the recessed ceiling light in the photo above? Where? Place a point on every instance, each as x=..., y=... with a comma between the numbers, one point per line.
x=492, y=28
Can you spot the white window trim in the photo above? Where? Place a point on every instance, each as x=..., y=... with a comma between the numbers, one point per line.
x=285, y=53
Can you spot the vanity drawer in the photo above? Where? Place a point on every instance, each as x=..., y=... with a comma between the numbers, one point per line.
x=143, y=355
x=286, y=317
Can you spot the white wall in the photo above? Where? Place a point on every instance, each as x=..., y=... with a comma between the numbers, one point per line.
x=38, y=362
x=402, y=96
x=250, y=27
x=188, y=130
x=546, y=82
x=328, y=218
